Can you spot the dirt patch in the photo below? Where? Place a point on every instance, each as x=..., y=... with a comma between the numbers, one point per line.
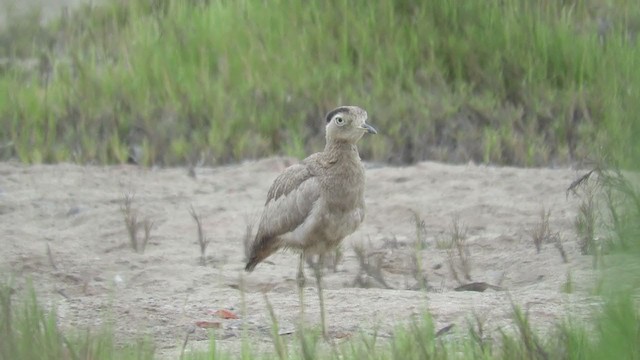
x=63, y=227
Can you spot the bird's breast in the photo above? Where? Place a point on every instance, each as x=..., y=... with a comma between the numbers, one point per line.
x=338, y=224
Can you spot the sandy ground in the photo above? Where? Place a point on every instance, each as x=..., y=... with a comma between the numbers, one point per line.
x=94, y=277
x=48, y=9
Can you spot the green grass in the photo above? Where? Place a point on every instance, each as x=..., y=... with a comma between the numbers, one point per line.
x=30, y=332
x=505, y=82
x=27, y=331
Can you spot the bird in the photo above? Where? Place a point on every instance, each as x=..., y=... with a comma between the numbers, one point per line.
x=314, y=204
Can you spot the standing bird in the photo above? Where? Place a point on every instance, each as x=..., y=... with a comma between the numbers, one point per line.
x=312, y=206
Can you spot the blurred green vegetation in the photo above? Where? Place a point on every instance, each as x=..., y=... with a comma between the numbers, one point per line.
x=28, y=331
x=31, y=332
x=506, y=82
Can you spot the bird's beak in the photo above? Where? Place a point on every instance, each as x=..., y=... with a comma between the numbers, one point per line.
x=368, y=128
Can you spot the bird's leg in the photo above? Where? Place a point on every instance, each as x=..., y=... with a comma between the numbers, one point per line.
x=300, y=280
x=317, y=269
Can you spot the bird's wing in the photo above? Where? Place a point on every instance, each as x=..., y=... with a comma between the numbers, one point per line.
x=289, y=202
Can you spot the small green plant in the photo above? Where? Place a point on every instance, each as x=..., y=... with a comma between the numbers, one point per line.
x=420, y=231
x=586, y=224
x=529, y=345
x=420, y=242
x=27, y=331
x=622, y=201
x=568, y=286
x=278, y=342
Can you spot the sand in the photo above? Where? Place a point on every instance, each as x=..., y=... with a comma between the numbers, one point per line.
x=94, y=277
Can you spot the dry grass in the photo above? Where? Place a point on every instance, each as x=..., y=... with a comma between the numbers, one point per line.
x=558, y=245
x=51, y=259
x=202, y=239
x=147, y=226
x=133, y=225
x=458, y=254
x=420, y=230
x=370, y=266
x=541, y=232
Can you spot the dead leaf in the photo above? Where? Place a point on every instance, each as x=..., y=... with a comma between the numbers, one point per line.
x=224, y=314
x=208, y=324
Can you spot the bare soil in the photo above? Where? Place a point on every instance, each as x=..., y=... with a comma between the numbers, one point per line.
x=93, y=276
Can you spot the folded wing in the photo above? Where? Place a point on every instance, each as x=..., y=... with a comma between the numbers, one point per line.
x=289, y=202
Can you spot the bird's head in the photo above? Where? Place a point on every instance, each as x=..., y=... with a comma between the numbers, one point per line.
x=348, y=123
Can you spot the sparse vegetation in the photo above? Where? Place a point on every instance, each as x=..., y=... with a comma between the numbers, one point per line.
x=133, y=225
x=541, y=233
x=528, y=346
x=568, y=285
x=202, y=239
x=370, y=267
x=458, y=255
x=558, y=245
x=586, y=223
x=28, y=331
x=419, y=340
x=420, y=244
x=610, y=204
x=622, y=202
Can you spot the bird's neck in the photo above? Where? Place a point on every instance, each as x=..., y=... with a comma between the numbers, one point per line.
x=338, y=146
x=337, y=150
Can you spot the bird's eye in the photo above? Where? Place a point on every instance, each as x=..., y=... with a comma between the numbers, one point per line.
x=339, y=121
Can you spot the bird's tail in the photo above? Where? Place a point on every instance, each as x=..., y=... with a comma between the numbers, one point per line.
x=255, y=259
x=259, y=251
x=251, y=264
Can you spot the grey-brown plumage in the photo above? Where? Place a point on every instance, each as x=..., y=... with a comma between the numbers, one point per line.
x=312, y=206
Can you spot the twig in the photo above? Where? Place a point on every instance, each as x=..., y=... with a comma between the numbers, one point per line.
x=202, y=239
x=50, y=256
